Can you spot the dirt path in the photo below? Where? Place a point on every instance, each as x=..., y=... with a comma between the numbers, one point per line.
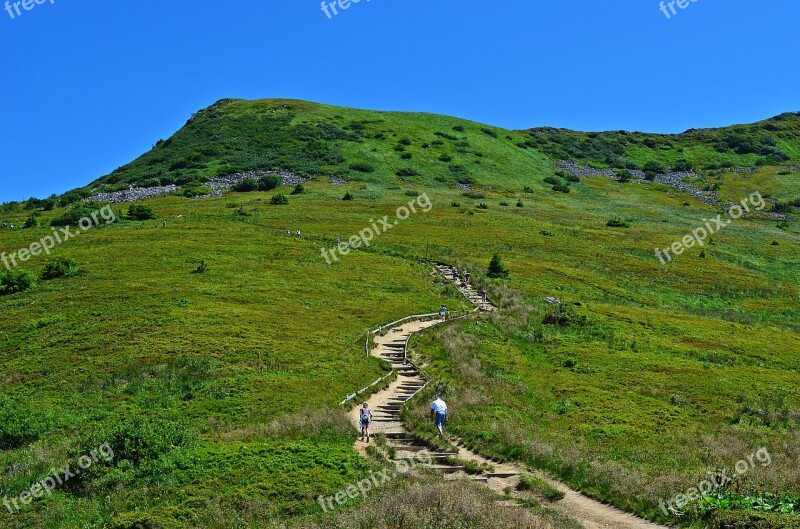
x=387, y=404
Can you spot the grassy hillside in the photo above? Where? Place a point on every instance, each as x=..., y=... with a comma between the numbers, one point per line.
x=220, y=389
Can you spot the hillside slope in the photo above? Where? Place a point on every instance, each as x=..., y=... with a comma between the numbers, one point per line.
x=212, y=353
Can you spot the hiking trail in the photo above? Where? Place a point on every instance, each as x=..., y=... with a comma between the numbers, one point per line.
x=387, y=404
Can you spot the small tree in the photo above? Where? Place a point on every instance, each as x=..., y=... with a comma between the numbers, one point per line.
x=348, y=196
x=140, y=212
x=58, y=267
x=496, y=267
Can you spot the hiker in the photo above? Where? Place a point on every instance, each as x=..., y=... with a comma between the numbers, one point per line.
x=443, y=312
x=483, y=292
x=338, y=241
x=439, y=414
x=454, y=271
x=165, y=224
x=366, y=419
x=298, y=233
x=288, y=233
x=466, y=277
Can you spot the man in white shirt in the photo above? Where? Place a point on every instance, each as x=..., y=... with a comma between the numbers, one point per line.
x=439, y=414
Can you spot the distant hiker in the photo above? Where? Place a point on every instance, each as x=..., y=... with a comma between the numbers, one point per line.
x=466, y=277
x=288, y=233
x=439, y=414
x=165, y=224
x=298, y=233
x=366, y=419
x=454, y=271
x=483, y=292
x=338, y=241
x=443, y=312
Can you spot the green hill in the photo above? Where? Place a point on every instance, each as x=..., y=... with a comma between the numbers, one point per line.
x=213, y=353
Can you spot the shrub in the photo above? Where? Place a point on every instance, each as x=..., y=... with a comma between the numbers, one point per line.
x=474, y=195
x=31, y=222
x=455, y=204
x=445, y=158
x=572, y=178
x=406, y=156
x=527, y=189
x=246, y=186
x=140, y=212
x=407, y=171
x=482, y=206
x=561, y=188
x=412, y=193
x=489, y=132
x=136, y=446
x=279, y=199
x=617, y=222
x=202, y=268
x=503, y=203
x=683, y=166
x=195, y=189
x=520, y=204
x=458, y=128
x=623, y=175
x=298, y=189
x=552, y=180
x=348, y=196
x=652, y=169
x=404, y=141
x=564, y=316
x=496, y=267
x=362, y=167
x=14, y=281
x=269, y=182
x=58, y=267
x=20, y=424
x=72, y=216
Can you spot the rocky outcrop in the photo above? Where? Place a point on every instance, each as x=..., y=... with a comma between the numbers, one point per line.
x=218, y=186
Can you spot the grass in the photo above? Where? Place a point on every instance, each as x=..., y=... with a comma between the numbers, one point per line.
x=255, y=353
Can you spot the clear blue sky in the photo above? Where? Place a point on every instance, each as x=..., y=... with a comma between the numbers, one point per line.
x=89, y=85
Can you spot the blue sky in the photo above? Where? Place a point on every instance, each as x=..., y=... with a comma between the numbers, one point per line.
x=90, y=85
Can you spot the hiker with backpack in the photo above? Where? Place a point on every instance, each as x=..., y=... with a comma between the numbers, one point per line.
x=365, y=421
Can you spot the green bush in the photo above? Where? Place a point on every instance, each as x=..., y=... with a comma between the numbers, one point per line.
x=58, y=267
x=298, y=189
x=140, y=212
x=552, y=180
x=561, y=188
x=445, y=158
x=348, y=196
x=20, y=424
x=489, y=132
x=652, y=169
x=14, y=281
x=265, y=183
x=31, y=222
x=138, y=447
x=362, y=167
x=195, y=190
x=407, y=171
x=482, y=206
x=279, y=199
x=72, y=217
x=617, y=222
